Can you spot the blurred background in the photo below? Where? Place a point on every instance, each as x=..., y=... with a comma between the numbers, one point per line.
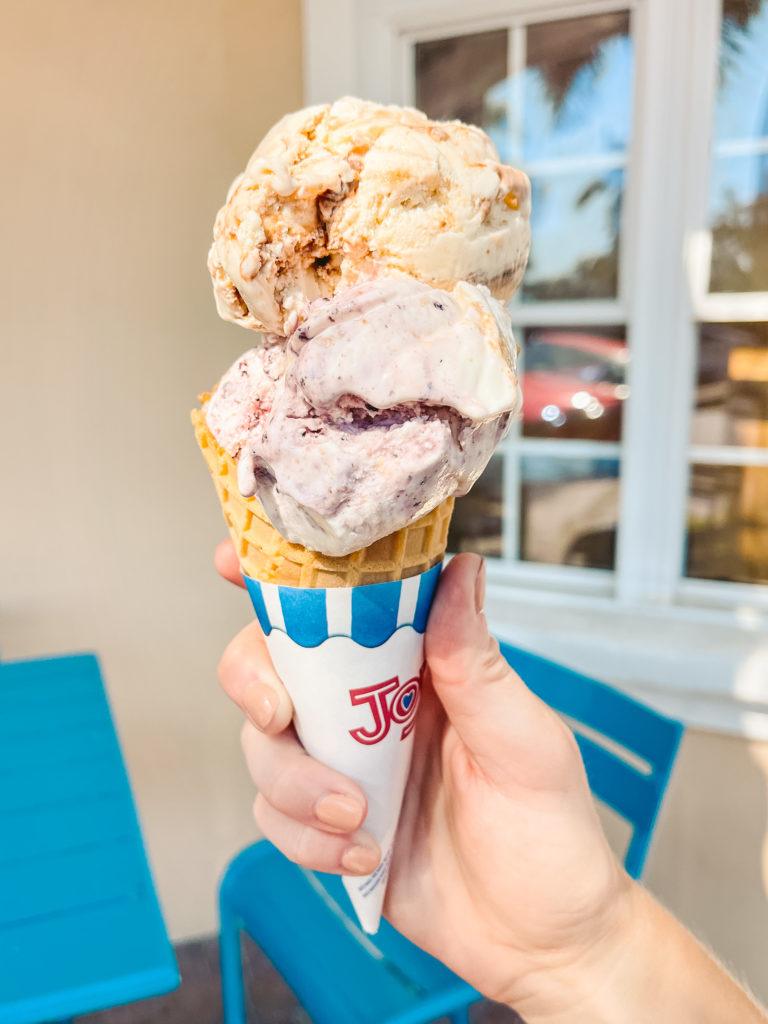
x=626, y=516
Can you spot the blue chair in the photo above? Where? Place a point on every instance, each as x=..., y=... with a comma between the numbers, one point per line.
x=80, y=926
x=304, y=923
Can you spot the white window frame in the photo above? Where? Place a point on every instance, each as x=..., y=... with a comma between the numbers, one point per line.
x=364, y=47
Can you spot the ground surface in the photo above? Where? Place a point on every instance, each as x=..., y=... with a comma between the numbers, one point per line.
x=198, y=1000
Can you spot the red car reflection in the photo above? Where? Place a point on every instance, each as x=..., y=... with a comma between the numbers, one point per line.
x=574, y=384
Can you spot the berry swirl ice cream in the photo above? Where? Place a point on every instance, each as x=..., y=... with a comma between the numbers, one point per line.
x=387, y=399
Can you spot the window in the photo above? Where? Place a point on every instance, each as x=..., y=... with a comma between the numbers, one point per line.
x=556, y=97
x=727, y=535
x=638, y=469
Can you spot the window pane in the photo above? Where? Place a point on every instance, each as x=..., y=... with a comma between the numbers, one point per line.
x=569, y=511
x=574, y=382
x=571, y=104
x=575, y=230
x=739, y=222
x=577, y=87
x=738, y=209
x=742, y=95
x=455, y=79
x=728, y=523
x=732, y=387
x=477, y=518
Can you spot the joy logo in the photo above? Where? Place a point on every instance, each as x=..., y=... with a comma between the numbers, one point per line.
x=389, y=702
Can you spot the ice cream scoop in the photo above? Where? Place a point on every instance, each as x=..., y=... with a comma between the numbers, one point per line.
x=338, y=193
x=387, y=399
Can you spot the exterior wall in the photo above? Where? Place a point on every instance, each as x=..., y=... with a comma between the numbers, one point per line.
x=125, y=124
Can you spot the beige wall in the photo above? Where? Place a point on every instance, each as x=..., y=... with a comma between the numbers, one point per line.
x=125, y=123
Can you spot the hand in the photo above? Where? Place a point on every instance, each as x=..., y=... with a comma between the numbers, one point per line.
x=501, y=869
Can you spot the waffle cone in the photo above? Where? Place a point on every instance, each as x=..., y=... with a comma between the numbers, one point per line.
x=266, y=555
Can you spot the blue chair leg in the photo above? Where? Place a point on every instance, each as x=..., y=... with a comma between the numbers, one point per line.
x=230, y=959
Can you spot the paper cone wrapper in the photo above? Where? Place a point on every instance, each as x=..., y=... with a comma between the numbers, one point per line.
x=351, y=659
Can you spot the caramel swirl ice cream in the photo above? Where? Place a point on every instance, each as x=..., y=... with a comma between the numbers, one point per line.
x=345, y=191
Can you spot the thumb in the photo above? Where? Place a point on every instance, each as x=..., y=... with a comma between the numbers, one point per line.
x=506, y=728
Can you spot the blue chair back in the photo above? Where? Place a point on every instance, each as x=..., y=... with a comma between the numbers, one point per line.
x=634, y=790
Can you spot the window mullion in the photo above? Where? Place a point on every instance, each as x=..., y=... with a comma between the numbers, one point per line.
x=702, y=79
x=657, y=414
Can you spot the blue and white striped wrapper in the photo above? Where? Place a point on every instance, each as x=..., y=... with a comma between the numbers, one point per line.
x=351, y=660
x=369, y=615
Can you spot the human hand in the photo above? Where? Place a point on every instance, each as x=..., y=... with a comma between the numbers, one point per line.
x=501, y=869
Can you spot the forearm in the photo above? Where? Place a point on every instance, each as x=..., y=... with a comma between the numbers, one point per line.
x=652, y=971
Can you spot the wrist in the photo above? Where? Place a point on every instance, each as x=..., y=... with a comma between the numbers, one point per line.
x=603, y=981
x=644, y=967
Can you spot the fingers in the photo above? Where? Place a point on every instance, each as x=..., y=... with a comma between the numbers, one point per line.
x=298, y=786
x=310, y=812
x=248, y=678
x=355, y=854
x=227, y=563
x=505, y=726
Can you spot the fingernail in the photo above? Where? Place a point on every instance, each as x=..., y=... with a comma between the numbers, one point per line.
x=340, y=811
x=360, y=860
x=261, y=702
x=480, y=587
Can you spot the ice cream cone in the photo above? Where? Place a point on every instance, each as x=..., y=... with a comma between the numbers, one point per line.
x=346, y=635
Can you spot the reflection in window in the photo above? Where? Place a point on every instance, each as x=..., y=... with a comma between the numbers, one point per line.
x=728, y=523
x=565, y=116
x=577, y=111
x=455, y=79
x=575, y=230
x=478, y=516
x=569, y=511
x=739, y=186
x=578, y=87
x=732, y=386
x=739, y=222
x=574, y=382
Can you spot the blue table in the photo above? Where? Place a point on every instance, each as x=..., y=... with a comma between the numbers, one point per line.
x=80, y=926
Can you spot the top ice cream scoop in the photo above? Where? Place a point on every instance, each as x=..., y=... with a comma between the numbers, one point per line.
x=340, y=192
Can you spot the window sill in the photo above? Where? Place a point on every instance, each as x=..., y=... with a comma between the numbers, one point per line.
x=708, y=667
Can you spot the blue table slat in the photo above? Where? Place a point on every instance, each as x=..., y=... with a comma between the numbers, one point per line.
x=69, y=824
x=57, y=752
x=80, y=927
x=86, y=779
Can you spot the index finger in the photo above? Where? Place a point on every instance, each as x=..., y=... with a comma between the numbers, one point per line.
x=227, y=563
x=248, y=677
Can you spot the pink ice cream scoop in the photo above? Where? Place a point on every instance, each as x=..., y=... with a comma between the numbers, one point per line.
x=389, y=397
